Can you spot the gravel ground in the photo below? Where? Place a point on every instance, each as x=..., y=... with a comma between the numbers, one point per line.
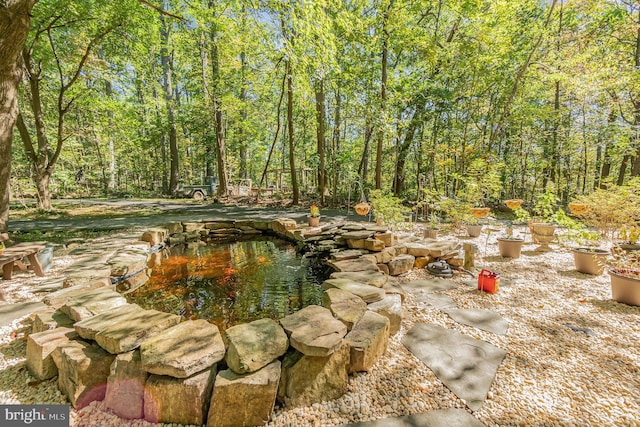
x=552, y=374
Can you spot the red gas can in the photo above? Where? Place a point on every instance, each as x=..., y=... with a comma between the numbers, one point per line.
x=488, y=281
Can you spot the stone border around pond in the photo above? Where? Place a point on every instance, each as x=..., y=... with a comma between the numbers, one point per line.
x=149, y=364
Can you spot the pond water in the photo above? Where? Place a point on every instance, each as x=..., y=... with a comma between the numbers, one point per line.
x=232, y=282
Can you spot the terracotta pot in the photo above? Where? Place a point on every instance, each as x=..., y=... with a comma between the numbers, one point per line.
x=314, y=221
x=513, y=203
x=510, y=248
x=589, y=260
x=430, y=233
x=480, y=212
x=624, y=287
x=474, y=230
x=542, y=233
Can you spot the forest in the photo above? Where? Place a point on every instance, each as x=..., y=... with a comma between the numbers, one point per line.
x=483, y=99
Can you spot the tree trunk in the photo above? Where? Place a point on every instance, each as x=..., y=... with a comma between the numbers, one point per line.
x=242, y=138
x=623, y=169
x=167, y=71
x=320, y=137
x=15, y=18
x=292, y=160
x=383, y=95
x=399, y=178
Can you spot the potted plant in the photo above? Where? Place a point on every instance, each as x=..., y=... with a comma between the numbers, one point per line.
x=509, y=245
x=474, y=228
x=314, y=216
x=513, y=203
x=625, y=277
x=431, y=232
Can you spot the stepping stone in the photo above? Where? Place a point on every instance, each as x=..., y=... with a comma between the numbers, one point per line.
x=40, y=348
x=59, y=298
x=88, y=328
x=128, y=260
x=417, y=249
x=353, y=265
x=353, y=227
x=11, y=312
x=183, y=350
x=372, y=278
x=438, y=301
x=254, y=345
x=428, y=286
x=368, y=293
x=50, y=319
x=126, y=336
x=441, y=418
x=465, y=365
x=486, y=320
x=314, y=331
x=88, y=304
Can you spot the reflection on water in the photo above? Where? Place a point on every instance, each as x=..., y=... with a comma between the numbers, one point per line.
x=232, y=282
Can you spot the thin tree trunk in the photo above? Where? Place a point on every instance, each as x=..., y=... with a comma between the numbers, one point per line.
x=383, y=95
x=335, y=146
x=242, y=138
x=292, y=159
x=623, y=169
x=320, y=138
x=167, y=71
x=403, y=151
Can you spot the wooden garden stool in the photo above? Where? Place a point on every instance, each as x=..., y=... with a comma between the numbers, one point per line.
x=12, y=257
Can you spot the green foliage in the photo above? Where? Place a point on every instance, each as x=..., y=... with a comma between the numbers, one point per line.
x=387, y=208
x=521, y=215
x=456, y=211
x=546, y=204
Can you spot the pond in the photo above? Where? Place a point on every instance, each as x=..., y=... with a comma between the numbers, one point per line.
x=232, y=282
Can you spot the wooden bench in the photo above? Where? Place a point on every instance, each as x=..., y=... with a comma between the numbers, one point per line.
x=12, y=257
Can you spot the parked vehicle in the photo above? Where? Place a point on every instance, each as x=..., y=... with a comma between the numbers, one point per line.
x=199, y=192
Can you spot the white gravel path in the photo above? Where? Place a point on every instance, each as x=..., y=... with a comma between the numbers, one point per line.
x=552, y=375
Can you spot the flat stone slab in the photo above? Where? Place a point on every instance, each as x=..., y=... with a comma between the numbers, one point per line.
x=439, y=301
x=368, y=293
x=122, y=337
x=428, y=286
x=50, y=318
x=353, y=265
x=88, y=328
x=85, y=305
x=441, y=418
x=357, y=234
x=465, y=365
x=183, y=350
x=11, y=312
x=60, y=297
x=314, y=331
x=345, y=306
x=347, y=254
x=372, y=278
x=486, y=320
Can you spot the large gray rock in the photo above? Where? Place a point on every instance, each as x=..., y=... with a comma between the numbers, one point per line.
x=345, y=306
x=254, y=345
x=125, y=386
x=372, y=278
x=50, y=318
x=122, y=337
x=83, y=370
x=353, y=265
x=88, y=304
x=244, y=400
x=391, y=308
x=88, y=328
x=314, y=331
x=179, y=400
x=368, y=293
x=465, y=365
x=40, y=348
x=306, y=379
x=401, y=264
x=183, y=350
x=367, y=341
